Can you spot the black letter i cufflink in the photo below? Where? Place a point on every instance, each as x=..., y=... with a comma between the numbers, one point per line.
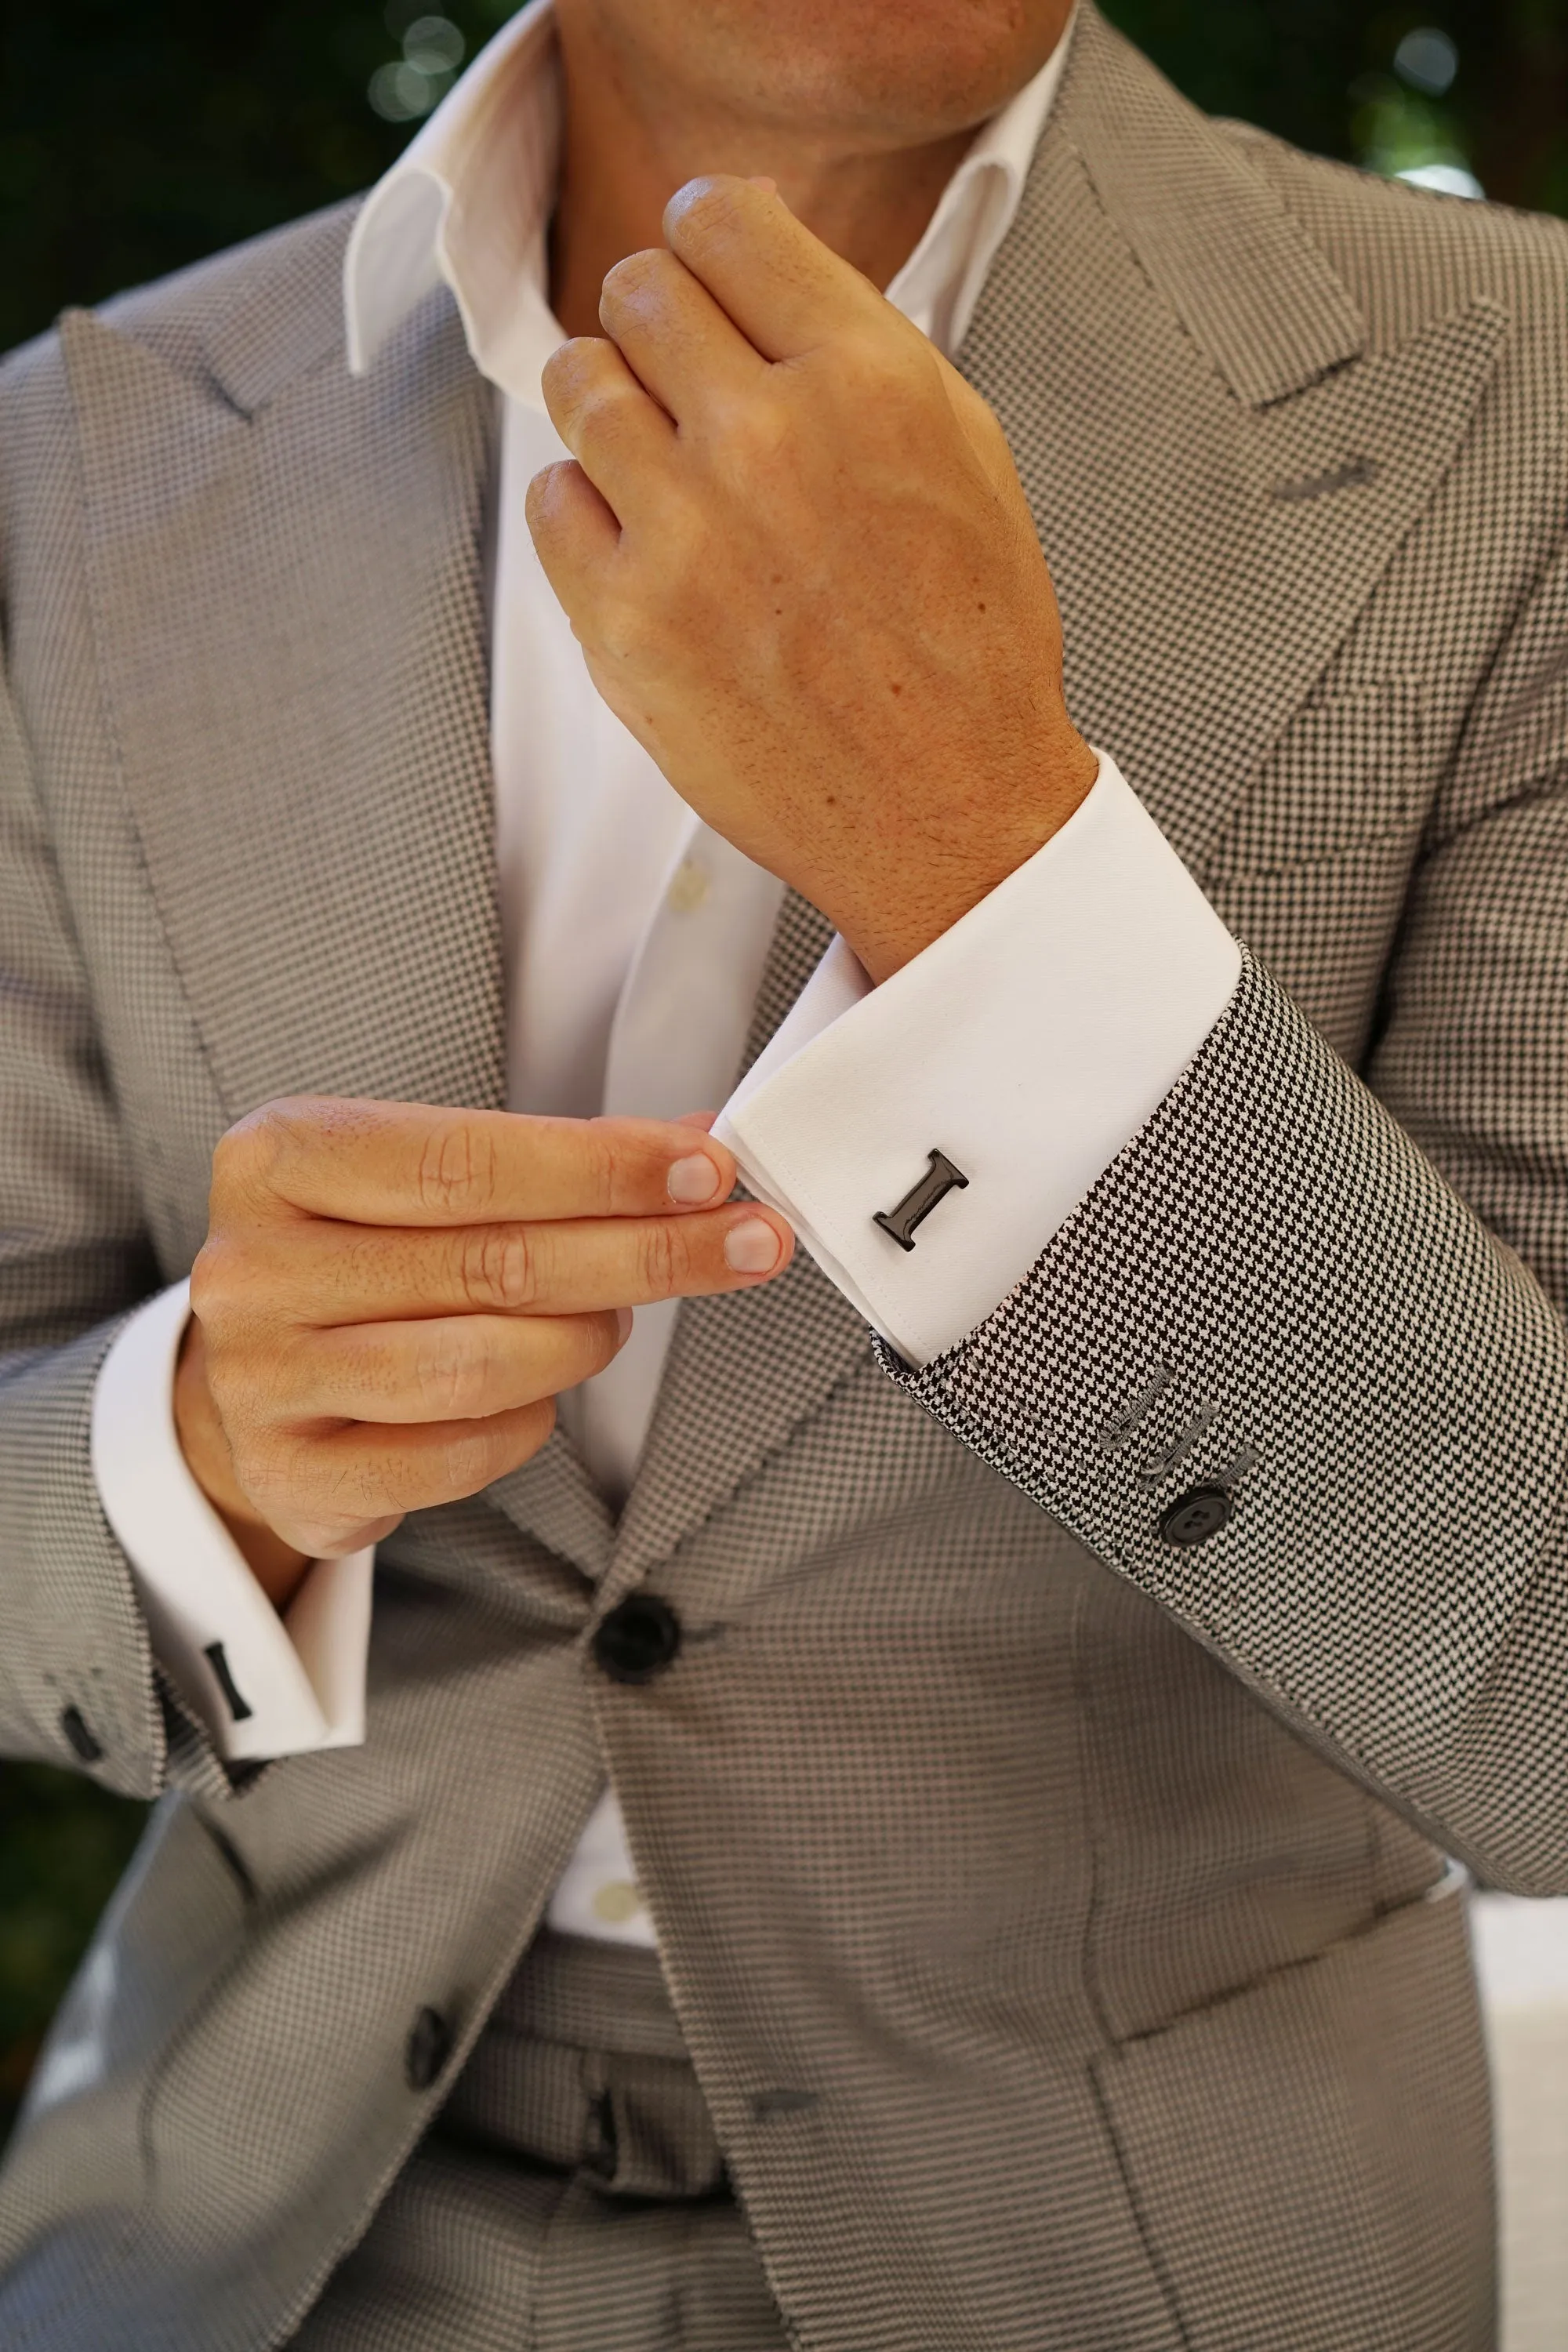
x=940, y=1179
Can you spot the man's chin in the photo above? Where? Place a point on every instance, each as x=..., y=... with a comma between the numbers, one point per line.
x=883, y=72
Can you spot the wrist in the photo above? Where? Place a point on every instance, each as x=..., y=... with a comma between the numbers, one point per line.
x=903, y=906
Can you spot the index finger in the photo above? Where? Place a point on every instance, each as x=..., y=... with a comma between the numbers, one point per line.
x=379, y=1164
x=786, y=291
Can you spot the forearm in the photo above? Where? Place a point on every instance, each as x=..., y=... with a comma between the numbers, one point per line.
x=1273, y=1296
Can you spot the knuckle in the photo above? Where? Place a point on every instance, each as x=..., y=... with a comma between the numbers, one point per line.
x=252, y=1161
x=243, y=1159
x=470, y=1458
x=229, y=1287
x=281, y=1474
x=212, y=1282
x=223, y=1369
x=497, y=1267
x=457, y=1171
x=231, y=1158
x=604, y=417
x=244, y=1375
x=348, y=1482
x=665, y=1254
x=610, y=1167
x=272, y=1130
x=449, y=1375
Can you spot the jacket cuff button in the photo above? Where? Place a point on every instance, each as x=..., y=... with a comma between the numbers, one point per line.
x=79, y=1737
x=1195, y=1515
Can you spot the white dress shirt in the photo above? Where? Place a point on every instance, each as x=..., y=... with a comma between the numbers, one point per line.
x=1028, y=1044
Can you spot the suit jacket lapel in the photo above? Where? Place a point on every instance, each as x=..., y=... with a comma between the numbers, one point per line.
x=291, y=626
x=287, y=579
x=1219, y=471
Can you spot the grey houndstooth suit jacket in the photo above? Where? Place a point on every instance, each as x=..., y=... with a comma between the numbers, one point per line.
x=1083, y=1890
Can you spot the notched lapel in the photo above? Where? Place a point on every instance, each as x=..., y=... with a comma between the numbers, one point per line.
x=554, y=1498
x=1219, y=475
x=291, y=636
x=1231, y=260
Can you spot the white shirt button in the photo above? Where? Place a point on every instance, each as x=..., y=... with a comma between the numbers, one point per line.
x=616, y=1902
x=688, y=888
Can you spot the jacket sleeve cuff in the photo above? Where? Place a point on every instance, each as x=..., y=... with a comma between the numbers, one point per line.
x=1026, y=1046
x=263, y=1684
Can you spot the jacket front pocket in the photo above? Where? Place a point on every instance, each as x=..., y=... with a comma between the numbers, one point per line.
x=1311, y=2158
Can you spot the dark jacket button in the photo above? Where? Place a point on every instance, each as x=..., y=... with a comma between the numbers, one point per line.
x=426, y=2050
x=1195, y=1515
x=80, y=1734
x=637, y=1640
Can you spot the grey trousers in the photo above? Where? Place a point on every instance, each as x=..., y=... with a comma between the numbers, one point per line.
x=569, y=2197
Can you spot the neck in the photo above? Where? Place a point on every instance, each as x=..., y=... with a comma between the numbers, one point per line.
x=628, y=145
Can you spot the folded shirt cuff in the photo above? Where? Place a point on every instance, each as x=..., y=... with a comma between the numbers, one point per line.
x=1020, y=1052
x=263, y=1684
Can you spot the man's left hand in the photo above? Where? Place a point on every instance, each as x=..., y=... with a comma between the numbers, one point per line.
x=800, y=563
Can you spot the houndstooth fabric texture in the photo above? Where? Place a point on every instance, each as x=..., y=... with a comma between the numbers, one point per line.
x=571, y=2194
x=1052, y=1916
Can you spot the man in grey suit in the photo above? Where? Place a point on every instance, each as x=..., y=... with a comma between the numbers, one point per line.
x=1028, y=1652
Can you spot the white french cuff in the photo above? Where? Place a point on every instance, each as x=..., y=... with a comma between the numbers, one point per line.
x=1027, y=1046
x=263, y=1684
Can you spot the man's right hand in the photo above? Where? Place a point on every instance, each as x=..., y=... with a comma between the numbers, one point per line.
x=390, y=1296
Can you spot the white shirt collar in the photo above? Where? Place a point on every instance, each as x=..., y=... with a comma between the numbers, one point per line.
x=468, y=203
x=941, y=282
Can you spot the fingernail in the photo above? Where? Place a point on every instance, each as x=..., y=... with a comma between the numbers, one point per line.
x=623, y=1324
x=696, y=1179
x=752, y=1247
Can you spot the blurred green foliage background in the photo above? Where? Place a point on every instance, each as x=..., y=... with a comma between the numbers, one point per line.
x=134, y=138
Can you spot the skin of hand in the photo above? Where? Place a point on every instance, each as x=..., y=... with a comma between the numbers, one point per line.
x=391, y=1295
x=796, y=553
